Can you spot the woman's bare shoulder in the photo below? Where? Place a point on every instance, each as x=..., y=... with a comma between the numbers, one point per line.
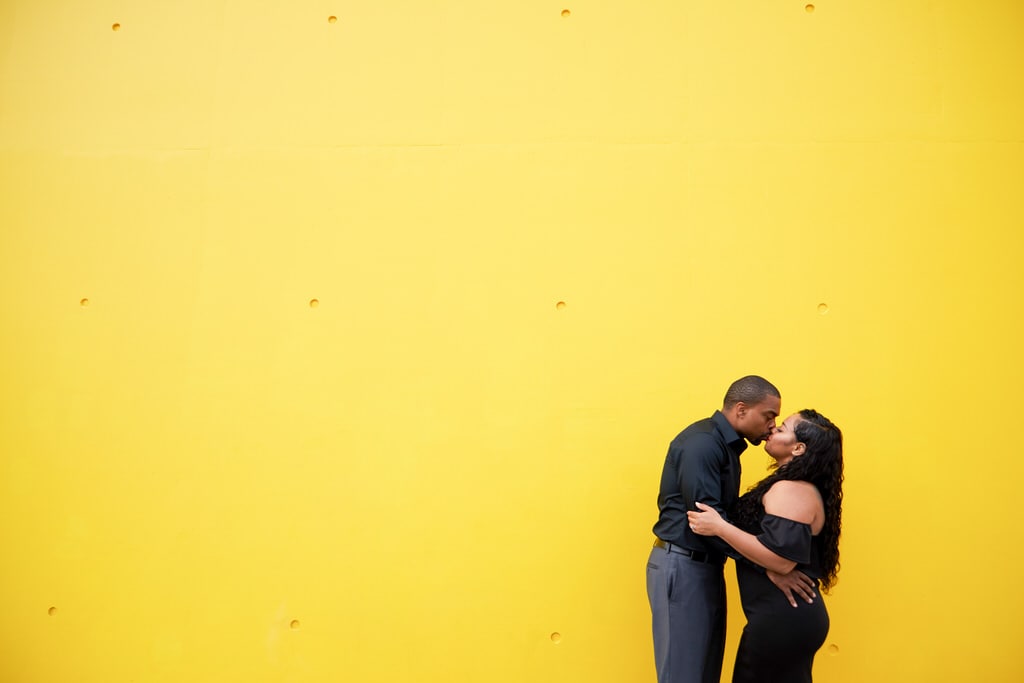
x=789, y=487
x=797, y=500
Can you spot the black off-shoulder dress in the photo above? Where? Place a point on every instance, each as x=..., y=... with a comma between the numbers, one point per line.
x=779, y=641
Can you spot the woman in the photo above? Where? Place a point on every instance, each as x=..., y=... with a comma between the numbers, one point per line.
x=789, y=520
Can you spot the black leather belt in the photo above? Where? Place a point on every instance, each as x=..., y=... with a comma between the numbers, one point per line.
x=695, y=555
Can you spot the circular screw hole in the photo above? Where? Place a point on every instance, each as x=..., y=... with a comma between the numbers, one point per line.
x=833, y=649
x=566, y=13
x=823, y=308
x=295, y=624
x=556, y=637
x=84, y=302
x=116, y=27
x=313, y=303
x=332, y=19
x=809, y=8
x=560, y=306
x=52, y=611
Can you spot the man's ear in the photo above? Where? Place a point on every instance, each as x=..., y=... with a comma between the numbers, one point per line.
x=740, y=409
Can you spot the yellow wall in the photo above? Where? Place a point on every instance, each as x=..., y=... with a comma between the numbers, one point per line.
x=426, y=476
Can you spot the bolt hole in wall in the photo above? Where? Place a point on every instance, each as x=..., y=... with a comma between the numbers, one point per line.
x=52, y=611
x=115, y=27
x=809, y=8
x=566, y=13
x=313, y=303
x=332, y=19
x=295, y=624
x=560, y=306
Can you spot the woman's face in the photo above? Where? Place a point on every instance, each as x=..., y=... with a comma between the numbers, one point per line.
x=783, y=444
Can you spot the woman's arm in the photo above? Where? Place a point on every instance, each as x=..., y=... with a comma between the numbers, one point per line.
x=795, y=500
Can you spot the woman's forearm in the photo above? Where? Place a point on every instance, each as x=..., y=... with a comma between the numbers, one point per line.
x=751, y=548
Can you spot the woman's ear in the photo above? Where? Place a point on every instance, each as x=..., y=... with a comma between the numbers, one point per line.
x=799, y=448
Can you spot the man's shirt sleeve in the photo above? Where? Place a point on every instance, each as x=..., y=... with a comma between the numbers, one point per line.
x=700, y=481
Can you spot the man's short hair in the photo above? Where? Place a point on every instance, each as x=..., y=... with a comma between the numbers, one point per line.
x=750, y=390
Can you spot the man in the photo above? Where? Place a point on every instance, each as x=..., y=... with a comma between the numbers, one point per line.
x=685, y=581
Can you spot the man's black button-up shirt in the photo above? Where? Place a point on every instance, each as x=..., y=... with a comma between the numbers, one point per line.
x=702, y=465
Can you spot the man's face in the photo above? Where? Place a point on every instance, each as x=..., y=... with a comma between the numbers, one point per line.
x=757, y=421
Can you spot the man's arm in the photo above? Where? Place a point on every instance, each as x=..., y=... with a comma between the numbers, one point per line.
x=707, y=521
x=700, y=480
x=797, y=501
x=779, y=570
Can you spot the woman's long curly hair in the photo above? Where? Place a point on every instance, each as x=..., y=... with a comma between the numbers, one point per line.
x=822, y=465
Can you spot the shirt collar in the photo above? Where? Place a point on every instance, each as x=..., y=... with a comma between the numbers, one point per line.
x=736, y=442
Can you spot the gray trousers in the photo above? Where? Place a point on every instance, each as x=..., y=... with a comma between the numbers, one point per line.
x=688, y=614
